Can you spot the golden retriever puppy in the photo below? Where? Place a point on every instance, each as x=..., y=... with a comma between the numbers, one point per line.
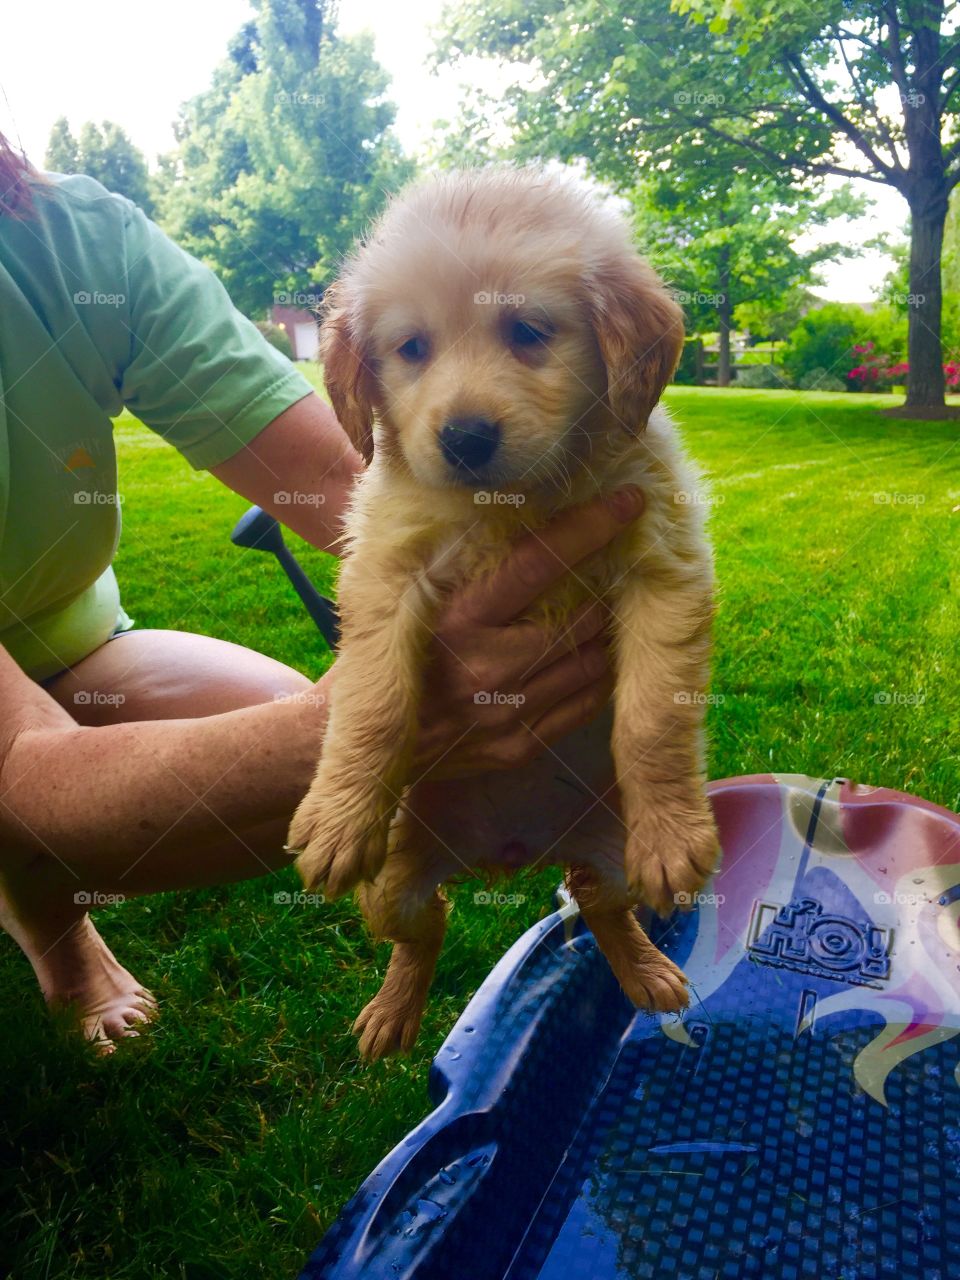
x=496, y=350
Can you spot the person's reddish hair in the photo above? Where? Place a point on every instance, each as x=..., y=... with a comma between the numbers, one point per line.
x=16, y=172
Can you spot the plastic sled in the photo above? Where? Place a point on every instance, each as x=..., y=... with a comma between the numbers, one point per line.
x=801, y=1119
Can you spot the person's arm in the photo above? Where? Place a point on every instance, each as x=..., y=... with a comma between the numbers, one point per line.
x=109, y=795
x=301, y=469
x=146, y=786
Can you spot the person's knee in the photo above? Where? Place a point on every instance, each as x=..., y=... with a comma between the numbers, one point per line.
x=168, y=675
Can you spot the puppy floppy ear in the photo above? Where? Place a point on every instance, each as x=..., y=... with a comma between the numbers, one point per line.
x=346, y=374
x=639, y=329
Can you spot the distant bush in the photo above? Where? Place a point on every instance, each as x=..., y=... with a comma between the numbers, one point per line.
x=875, y=370
x=821, y=380
x=765, y=377
x=824, y=339
x=276, y=336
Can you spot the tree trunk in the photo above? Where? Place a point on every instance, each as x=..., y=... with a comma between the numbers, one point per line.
x=928, y=195
x=724, y=315
x=925, y=385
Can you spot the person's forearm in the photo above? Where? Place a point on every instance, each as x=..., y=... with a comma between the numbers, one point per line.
x=301, y=468
x=141, y=787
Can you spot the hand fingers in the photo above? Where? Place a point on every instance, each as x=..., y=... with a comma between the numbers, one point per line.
x=574, y=712
x=563, y=678
x=585, y=625
x=539, y=559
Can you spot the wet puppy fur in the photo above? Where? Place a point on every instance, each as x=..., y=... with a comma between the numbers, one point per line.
x=497, y=349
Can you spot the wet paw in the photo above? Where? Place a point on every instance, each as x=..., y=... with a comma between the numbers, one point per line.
x=338, y=845
x=660, y=987
x=670, y=857
x=385, y=1027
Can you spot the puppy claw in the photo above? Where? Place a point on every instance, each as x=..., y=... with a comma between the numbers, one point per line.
x=338, y=852
x=668, y=864
x=385, y=1029
x=660, y=990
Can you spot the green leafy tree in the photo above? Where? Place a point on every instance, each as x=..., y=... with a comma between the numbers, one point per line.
x=104, y=152
x=609, y=84
x=772, y=319
x=725, y=239
x=796, y=90
x=283, y=161
x=63, y=155
x=839, y=64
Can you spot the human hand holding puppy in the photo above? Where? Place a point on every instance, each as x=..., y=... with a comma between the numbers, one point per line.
x=554, y=685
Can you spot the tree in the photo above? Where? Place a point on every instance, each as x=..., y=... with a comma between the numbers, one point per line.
x=725, y=239
x=104, y=153
x=837, y=61
x=63, y=155
x=786, y=87
x=283, y=161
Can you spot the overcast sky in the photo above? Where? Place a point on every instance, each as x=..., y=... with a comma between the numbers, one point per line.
x=134, y=63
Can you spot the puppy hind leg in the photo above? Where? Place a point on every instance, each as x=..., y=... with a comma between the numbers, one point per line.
x=650, y=980
x=413, y=916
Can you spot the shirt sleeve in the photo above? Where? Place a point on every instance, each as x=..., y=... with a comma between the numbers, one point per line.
x=199, y=373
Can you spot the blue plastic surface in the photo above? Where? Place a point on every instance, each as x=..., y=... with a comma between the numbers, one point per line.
x=802, y=1120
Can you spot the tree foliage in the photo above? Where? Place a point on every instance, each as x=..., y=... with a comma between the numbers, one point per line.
x=283, y=161
x=726, y=240
x=791, y=92
x=103, y=152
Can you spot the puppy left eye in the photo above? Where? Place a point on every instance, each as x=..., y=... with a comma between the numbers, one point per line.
x=523, y=334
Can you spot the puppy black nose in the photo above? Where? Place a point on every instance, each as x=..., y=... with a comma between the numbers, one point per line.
x=469, y=443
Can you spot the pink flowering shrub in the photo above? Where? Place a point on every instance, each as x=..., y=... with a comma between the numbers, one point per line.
x=877, y=372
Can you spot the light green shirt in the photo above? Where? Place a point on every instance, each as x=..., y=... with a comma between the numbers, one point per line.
x=100, y=310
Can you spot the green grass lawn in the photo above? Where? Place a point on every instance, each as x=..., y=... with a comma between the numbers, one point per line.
x=222, y=1144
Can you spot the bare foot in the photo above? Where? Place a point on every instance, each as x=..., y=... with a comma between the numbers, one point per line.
x=74, y=966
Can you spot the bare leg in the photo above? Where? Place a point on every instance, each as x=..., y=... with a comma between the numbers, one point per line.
x=404, y=905
x=649, y=979
x=158, y=675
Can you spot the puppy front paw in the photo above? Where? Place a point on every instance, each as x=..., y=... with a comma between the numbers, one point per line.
x=338, y=842
x=672, y=850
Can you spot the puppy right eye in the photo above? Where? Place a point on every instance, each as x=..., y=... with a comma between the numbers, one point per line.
x=413, y=350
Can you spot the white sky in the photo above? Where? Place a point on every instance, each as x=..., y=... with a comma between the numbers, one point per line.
x=134, y=63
